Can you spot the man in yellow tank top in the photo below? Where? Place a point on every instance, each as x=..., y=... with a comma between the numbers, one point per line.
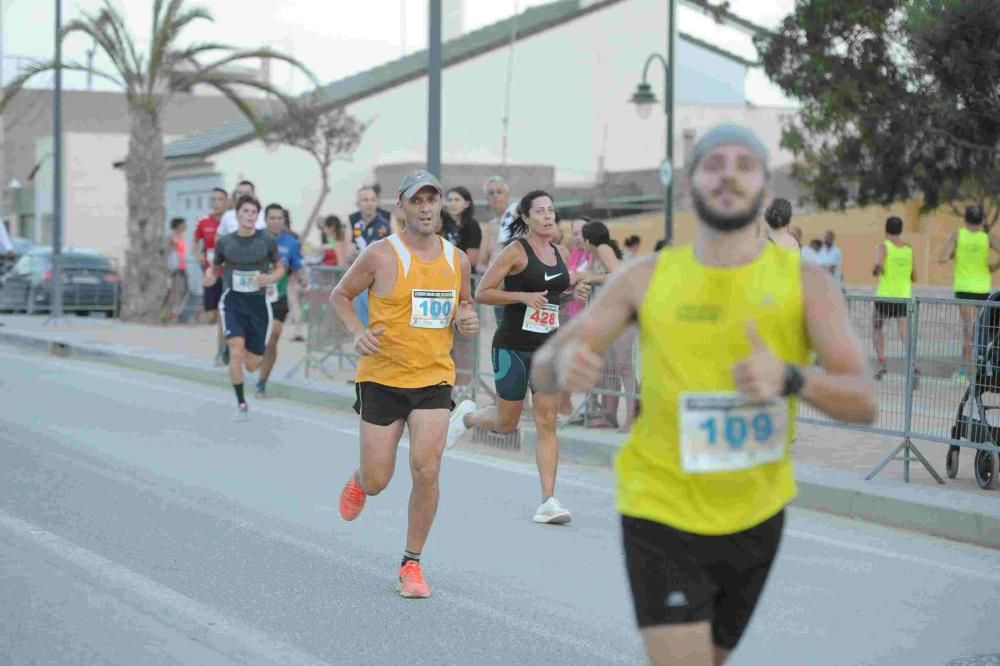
x=894, y=270
x=970, y=248
x=726, y=330
x=419, y=289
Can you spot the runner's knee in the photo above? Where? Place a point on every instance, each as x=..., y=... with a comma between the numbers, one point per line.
x=375, y=481
x=426, y=471
x=506, y=423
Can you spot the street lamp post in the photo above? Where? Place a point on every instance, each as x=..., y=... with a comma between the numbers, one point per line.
x=56, y=312
x=644, y=100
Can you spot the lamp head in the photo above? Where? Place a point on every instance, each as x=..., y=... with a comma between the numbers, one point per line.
x=644, y=100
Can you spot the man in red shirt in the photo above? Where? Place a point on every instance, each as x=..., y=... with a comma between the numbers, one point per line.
x=205, y=239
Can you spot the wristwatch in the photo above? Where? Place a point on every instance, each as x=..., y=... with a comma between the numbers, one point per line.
x=794, y=381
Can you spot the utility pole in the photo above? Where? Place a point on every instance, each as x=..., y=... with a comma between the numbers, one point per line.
x=434, y=90
x=57, y=208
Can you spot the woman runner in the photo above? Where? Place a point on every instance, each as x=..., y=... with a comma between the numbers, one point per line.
x=533, y=272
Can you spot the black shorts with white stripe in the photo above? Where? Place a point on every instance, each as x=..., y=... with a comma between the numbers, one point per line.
x=246, y=316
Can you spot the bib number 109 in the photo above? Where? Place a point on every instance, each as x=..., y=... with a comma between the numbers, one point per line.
x=719, y=432
x=737, y=429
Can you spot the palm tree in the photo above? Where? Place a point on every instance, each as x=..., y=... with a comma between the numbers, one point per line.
x=149, y=81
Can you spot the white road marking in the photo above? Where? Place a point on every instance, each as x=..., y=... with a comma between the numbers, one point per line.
x=201, y=623
x=966, y=572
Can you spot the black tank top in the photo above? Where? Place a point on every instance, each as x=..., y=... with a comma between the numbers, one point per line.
x=535, y=277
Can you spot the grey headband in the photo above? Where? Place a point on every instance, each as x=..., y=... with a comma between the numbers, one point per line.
x=728, y=134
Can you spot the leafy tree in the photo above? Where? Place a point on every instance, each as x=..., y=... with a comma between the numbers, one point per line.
x=327, y=135
x=890, y=108
x=149, y=80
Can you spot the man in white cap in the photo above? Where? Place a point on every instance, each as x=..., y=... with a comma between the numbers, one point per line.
x=419, y=288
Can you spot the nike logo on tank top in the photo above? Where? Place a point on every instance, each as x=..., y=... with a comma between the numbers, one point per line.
x=525, y=328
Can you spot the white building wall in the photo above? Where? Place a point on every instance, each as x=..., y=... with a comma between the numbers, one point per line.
x=94, y=204
x=569, y=105
x=95, y=209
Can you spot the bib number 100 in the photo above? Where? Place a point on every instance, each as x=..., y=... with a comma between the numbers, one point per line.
x=736, y=430
x=435, y=308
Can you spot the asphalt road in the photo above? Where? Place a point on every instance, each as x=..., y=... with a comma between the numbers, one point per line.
x=139, y=524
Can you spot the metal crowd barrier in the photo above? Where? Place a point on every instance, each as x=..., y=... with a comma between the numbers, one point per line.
x=613, y=402
x=936, y=360
x=939, y=383
x=326, y=340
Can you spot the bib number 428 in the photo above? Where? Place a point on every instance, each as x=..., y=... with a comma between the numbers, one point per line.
x=544, y=320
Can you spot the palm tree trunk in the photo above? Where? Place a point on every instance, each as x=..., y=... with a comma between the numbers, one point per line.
x=146, y=273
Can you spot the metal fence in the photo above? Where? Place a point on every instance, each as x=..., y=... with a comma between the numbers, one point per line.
x=938, y=383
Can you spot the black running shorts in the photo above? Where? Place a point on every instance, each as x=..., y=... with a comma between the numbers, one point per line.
x=971, y=296
x=889, y=310
x=211, y=296
x=383, y=405
x=279, y=309
x=678, y=577
x=246, y=316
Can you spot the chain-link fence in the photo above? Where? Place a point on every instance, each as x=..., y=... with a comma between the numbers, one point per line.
x=935, y=360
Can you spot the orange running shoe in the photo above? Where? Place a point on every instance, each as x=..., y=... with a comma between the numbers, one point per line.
x=352, y=499
x=411, y=581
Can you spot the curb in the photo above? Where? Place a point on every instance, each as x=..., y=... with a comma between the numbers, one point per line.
x=938, y=512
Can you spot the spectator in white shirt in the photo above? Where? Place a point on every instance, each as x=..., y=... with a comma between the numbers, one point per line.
x=6, y=246
x=830, y=257
x=810, y=253
x=229, y=224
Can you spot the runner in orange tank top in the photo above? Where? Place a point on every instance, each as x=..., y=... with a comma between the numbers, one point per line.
x=419, y=289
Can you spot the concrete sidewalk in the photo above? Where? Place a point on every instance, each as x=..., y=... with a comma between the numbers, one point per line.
x=831, y=463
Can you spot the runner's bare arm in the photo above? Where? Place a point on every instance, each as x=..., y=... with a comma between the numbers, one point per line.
x=570, y=360
x=879, y=260
x=948, y=251
x=466, y=294
x=274, y=276
x=609, y=260
x=359, y=277
x=466, y=319
x=995, y=246
x=214, y=271
x=994, y=242
x=844, y=390
x=490, y=292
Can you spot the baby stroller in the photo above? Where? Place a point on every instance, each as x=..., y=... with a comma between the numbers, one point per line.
x=975, y=427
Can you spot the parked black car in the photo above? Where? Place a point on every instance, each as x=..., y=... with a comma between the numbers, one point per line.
x=21, y=247
x=90, y=283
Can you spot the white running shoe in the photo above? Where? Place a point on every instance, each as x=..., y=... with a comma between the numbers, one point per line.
x=242, y=413
x=456, y=425
x=551, y=512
